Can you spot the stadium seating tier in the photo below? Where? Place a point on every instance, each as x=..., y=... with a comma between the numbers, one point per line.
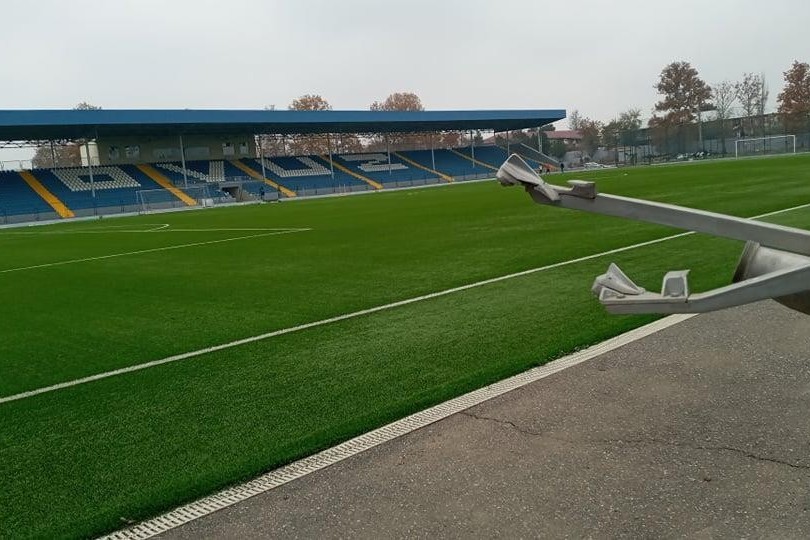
x=118, y=186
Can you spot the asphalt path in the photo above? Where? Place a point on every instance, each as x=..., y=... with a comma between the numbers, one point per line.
x=701, y=430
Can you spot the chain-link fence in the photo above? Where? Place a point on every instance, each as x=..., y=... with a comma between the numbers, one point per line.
x=751, y=136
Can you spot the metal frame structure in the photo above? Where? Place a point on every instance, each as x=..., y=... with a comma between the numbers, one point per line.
x=763, y=139
x=775, y=263
x=37, y=128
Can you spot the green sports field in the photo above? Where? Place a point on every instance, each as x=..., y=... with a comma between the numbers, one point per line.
x=80, y=299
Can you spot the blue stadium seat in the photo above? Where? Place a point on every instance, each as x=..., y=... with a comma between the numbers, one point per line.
x=374, y=165
x=490, y=154
x=306, y=175
x=117, y=186
x=17, y=198
x=448, y=163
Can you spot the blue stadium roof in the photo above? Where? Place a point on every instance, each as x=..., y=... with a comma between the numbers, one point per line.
x=30, y=125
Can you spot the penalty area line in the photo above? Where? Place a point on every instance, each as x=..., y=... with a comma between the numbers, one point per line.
x=352, y=315
x=163, y=228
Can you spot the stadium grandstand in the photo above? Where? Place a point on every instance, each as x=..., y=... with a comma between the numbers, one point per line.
x=148, y=160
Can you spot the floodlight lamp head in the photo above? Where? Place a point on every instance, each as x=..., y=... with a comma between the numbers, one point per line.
x=515, y=171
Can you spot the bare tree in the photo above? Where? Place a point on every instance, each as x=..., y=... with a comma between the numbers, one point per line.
x=621, y=130
x=762, y=98
x=271, y=144
x=574, y=120
x=752, y=93
x=62, y=153
x=591, y=133
x=348, y=143
x=84, y=106
x=723, y=97
x=630, y=120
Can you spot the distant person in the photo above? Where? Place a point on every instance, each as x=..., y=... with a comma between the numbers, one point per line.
x=562, y=167
x=261, y=193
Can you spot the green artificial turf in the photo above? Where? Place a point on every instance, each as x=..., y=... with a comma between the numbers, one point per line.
x=89, y=459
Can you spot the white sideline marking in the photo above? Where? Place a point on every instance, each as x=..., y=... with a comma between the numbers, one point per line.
x=360, y=313
x=163, y=227
x=236, y=229
x=293, y=471
x=150, y=250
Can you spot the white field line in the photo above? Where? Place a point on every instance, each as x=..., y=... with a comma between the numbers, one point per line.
x=283, y=475
x=150, y=250
x=163, y=228
x=235, y=229
x=352, y=315
x=306, y=326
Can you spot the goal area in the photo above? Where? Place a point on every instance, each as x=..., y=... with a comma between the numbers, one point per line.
x=762, y=146
x=205, y=195
x=150, y=200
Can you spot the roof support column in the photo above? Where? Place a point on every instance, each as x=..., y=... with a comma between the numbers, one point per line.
x=183, y=161
x=53, y=156
x=329, y=147
x=539, y=141
x=388, y=149
x=261, y=156
x=472, y=147
x=90, y=168
x=432, y=153
x=508, y=151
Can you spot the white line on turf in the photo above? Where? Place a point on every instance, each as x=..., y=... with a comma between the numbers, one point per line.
x=330, y=456
x=235, y=229
x=165, y=227
x=283, y=331
x=362, y=312
x=150, y=250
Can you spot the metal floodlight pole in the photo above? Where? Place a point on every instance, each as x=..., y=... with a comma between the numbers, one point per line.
x=329, y=147
x=183, y=161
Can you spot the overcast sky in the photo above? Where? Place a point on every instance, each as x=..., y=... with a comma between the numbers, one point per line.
x=600, y=57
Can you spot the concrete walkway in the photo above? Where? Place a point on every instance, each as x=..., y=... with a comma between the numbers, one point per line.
x=701, y=430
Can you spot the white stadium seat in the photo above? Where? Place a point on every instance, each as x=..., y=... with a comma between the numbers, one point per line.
x=216, y=171
x=78, y=179
x=373, y=162
x=313, y=168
